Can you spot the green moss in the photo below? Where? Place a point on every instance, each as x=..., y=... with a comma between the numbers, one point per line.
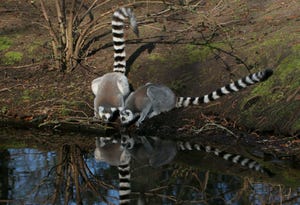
x=289, y=177
x=33, y=50
x=270, y=50
x=13, y=145
x=187, y=54
x=4, y=109
x=276, y=100
x=156, y=57
x=26, y=95
x=296, y=125
x=64, y=110
x=284, y=80
x=196, y=54
x=276, y=39
x=5, y=43
x=12, y=57
x=177, y=85
x=289, y=69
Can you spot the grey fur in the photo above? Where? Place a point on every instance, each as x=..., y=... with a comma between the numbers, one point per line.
x=111, y=151
x=111, y=89
x=152, y=99
x=148, y=101
x=115, y=154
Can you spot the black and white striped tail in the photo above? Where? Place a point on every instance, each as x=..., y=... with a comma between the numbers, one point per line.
x=235, y=158
x=118, y=19
x=124, y=183
x=225, y=90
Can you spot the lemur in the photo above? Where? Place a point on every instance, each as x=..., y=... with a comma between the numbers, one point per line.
x=152, y=99
x=116, y=153
x=159, y=152
x=112, y=88
x=155, y=152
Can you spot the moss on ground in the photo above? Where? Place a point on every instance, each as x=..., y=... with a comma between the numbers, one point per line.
x=12, y=57
x=196, y=54
x=277, y=97
x=285, y=78
x=156, y=57
x=5, y=43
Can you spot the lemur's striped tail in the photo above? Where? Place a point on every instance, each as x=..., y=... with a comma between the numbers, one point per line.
x=118, y=19
x=124, y=183
x=225, y=90
x=235, y=158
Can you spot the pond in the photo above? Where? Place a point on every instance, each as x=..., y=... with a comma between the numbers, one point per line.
x=41, y=168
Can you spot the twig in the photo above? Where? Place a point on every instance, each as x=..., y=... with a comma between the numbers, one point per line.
x=9, y=89
x=212, y=125
x=23, y=66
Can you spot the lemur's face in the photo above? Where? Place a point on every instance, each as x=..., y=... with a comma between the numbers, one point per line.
x=106, y=114
x=126, y=116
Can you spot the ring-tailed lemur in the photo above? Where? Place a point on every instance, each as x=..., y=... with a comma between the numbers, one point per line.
x=111, y=89
x=159, y=152
x=152, y=99
x=152, y=150
x=116, y=153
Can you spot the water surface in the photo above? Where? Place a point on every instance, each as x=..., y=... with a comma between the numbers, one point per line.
x=52, y=169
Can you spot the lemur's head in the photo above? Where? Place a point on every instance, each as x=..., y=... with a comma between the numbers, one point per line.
x=106, y=114
x=126, y=116
x=127, y=141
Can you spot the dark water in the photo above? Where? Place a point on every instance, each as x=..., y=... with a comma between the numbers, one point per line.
x=46, y=169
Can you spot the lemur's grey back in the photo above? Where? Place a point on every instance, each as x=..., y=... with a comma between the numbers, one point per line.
x=162, y=97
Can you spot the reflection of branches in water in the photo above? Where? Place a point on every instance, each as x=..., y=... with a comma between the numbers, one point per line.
x=274, y=193
x=189, y=185
x=183, y=187
x=73, y=174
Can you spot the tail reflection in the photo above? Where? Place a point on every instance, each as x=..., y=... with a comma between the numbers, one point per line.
x=154, y=152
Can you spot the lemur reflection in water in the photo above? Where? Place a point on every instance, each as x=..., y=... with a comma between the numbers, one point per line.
x=151, y=150
x=155, y=152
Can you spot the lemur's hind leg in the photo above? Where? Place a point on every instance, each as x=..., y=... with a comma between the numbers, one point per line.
x=144, y=114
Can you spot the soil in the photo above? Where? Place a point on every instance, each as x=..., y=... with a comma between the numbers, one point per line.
x=35, y=94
